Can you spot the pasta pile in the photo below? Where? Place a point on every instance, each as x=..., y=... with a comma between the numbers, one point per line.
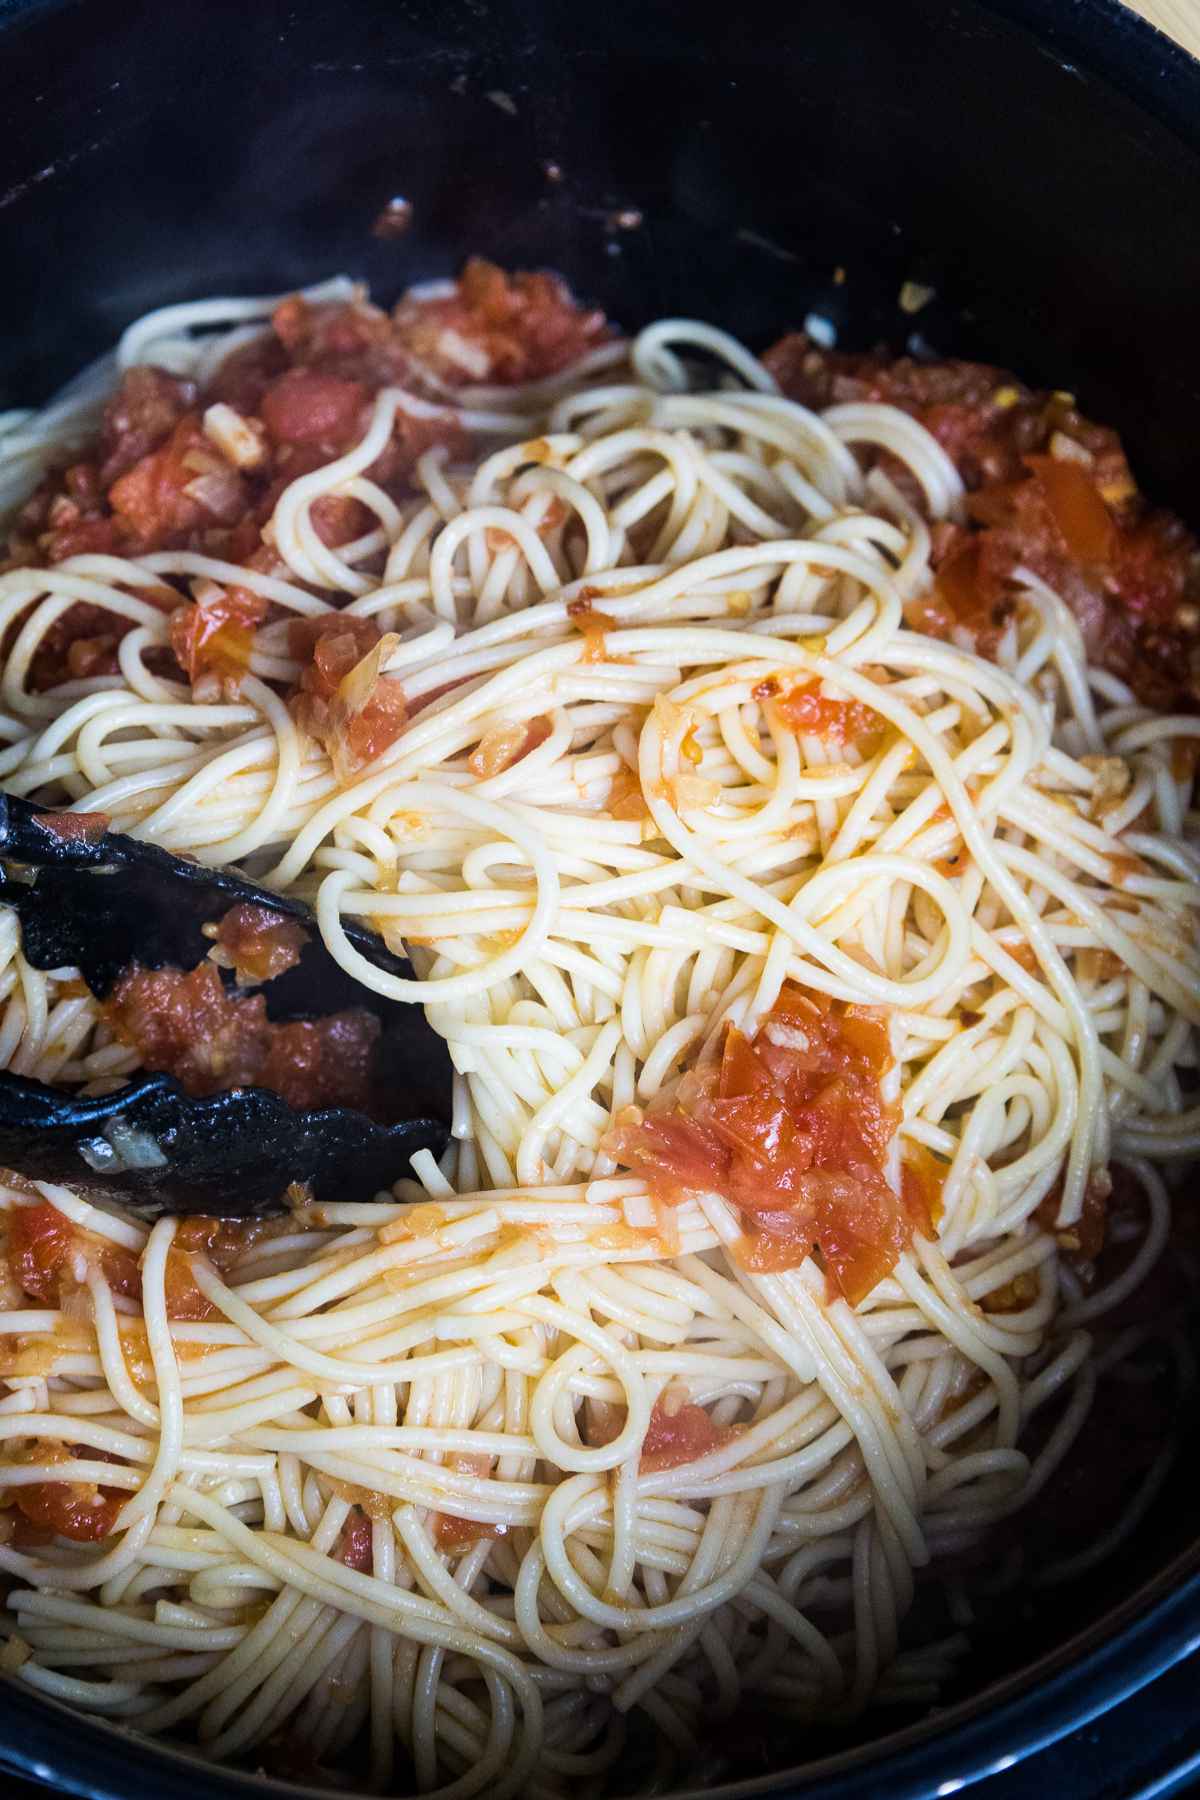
x=605, y=838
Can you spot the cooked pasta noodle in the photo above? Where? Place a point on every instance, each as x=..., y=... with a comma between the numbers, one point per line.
x=603, y=845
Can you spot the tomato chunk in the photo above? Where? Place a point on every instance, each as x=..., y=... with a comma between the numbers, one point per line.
x=498, y=327
x=177, y=488
x=454, y=1535
x=354, y=1547
x=190, y=1026
x=75, y=827
x=355, y=727
x=306, y=406
x=792, y=1129
x=215, y=635
x=46, y=1250
x=678, y=1435
x=72, y=1509
x=258, y=943
x=809, y=713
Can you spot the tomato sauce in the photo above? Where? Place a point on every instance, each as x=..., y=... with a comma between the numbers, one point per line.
x=157, y=479
x=792, y=1129
x=188, y=1025
x=1049, y=491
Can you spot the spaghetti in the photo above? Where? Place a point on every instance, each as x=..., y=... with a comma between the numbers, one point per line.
x=648, y=759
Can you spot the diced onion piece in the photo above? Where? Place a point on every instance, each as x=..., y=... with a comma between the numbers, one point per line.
x=1066, y=449
x=240, y=439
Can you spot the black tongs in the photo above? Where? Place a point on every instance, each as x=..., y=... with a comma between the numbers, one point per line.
x=100, y=903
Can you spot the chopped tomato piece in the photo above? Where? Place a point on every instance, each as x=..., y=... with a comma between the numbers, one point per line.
x=498, y=327
x=1073, y=502
x=185, y=1301
x=454, y=1535
x=355, y=727
x=505, y=745
x=338, y=519
x=75, y=827
x=259, y=943
x=792, y=1129
x=45, y=1248
x=306, y=406
x=189, y=1026
x=215, y=635
x=354, y=1547
x=184, y=484
x=921, y=1179
x=335, y=643
x=1084, y=1240
x=679, y=1435
x=140, y=415
x=1048, y=491
x=72, y=1509
x=222, y=1241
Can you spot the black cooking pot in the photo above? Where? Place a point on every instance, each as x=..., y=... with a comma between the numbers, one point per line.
x=1036, y=162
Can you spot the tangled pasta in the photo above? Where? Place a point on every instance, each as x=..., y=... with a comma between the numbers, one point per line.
x=534, y=1448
